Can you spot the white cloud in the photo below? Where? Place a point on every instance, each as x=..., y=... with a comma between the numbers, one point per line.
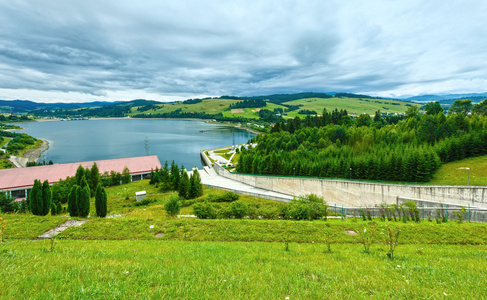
x=122, y=50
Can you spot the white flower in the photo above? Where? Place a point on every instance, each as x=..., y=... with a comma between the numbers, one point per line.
x=445, y=294
x=151, y=226
x=365, y=229
x=287, y=298
x=398, y=266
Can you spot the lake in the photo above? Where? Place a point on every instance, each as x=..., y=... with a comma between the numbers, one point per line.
x=178, y=140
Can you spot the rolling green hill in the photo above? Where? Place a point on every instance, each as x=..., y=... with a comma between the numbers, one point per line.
x=352, y=105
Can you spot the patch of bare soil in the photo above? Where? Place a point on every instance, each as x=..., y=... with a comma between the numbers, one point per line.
x=237, y=111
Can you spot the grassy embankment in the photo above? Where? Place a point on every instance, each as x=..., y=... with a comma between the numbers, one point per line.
x=148, y=255
x=454, y=173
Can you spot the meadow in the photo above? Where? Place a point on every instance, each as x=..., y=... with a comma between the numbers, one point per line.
x=455, y=173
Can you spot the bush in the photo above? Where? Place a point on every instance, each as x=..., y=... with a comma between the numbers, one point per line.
x=204, y=210
x=226, y=197
x=269, y=212
x=238, y=209
x=172, y=206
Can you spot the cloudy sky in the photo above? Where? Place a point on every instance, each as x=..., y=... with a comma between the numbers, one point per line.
x=58, y=50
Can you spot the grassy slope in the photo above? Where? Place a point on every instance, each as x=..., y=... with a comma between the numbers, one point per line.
x=352, y=105
x=451, y=174
x=233, y=270
x=191, y=258
x=210, y=106
x=4, y=141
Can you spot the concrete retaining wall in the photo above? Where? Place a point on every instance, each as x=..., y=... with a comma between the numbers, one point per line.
x=205, y=158
x=355, y=193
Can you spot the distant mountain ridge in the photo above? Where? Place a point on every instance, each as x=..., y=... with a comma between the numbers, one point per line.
x=447, y=99
x=22, y=106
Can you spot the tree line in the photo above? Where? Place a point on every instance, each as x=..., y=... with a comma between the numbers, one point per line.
x=177, y=179
x=409, y=148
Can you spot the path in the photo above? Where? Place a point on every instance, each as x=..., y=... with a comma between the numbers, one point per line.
x=56, y=230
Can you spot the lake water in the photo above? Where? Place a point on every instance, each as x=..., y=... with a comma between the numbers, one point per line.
x=178, y=140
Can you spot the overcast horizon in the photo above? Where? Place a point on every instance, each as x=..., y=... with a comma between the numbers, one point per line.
x=65, y=51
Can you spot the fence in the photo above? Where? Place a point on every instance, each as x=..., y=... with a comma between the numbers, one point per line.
x=255, y=195
x=441, y=212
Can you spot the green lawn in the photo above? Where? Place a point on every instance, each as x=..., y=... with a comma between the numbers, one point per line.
x=352, y=105
x=454, y=173
x=236, y=270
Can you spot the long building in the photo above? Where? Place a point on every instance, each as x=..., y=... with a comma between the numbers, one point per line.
x=18, y=182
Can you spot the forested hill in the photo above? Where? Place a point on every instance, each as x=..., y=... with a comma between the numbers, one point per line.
x=26, y=106
x=390, y=149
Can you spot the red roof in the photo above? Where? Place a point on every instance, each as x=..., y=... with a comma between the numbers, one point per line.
x=24, y=177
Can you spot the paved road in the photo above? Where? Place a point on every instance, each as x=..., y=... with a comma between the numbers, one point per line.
x=210, y=177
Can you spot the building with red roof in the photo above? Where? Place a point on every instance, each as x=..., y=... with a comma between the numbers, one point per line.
x=17, y=182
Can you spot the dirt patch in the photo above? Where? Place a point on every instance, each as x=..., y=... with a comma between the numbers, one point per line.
x=237, y=111
x=158, y=235
x=256, y=110
x=350, y=232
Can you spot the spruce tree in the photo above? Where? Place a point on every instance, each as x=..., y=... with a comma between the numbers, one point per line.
x=46, y=197
x=59, y=208
x=95, y=177
x=183, y=184
x=125, y=175
x=174, y=176
x=84, y=201
x=73, y=201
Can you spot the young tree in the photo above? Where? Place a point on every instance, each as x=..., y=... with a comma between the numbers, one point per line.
x=125, y=175
x=73, y=201
x=173, y=206
x=84, y=201
x=35, y=199
x=46, y=198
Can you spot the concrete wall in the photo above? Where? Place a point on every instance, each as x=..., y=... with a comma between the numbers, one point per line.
x=355, y=193
x=205, y=158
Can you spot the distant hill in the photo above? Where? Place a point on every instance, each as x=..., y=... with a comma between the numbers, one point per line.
x=24, y=106
x=447, y=99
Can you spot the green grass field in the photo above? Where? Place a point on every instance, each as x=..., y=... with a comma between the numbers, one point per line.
x=352, y=105
x=4, y=141
x=209, y=106
x=454, y=173
x=235, y=270
x=145, y=254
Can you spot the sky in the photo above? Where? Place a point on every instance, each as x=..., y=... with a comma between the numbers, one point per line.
x=92, y=50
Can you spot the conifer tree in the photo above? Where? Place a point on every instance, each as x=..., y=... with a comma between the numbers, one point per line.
x=46, y=198
x=35, y=199
x=80, y=172
x=95, y=177
x=183, y=184
x=195, y=186
x=174, y=176
x=73, y=201
x=84, y=201
x=101, y=202
x=104, y=206
x=59, y=208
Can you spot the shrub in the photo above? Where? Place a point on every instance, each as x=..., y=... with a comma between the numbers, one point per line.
x=227, y=197
x=204, y=210
x=146, y=201
x=268, y=212
x=172, y=206
x=238, y=209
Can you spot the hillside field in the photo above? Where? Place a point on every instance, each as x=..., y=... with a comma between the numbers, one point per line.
x=352, y=105
x=454, y=173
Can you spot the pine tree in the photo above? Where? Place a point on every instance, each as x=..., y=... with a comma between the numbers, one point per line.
x=46, y=198
x=59, y=208
x=84, y=201
x=73, y=201
x=183, y=184
x=174, y=176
